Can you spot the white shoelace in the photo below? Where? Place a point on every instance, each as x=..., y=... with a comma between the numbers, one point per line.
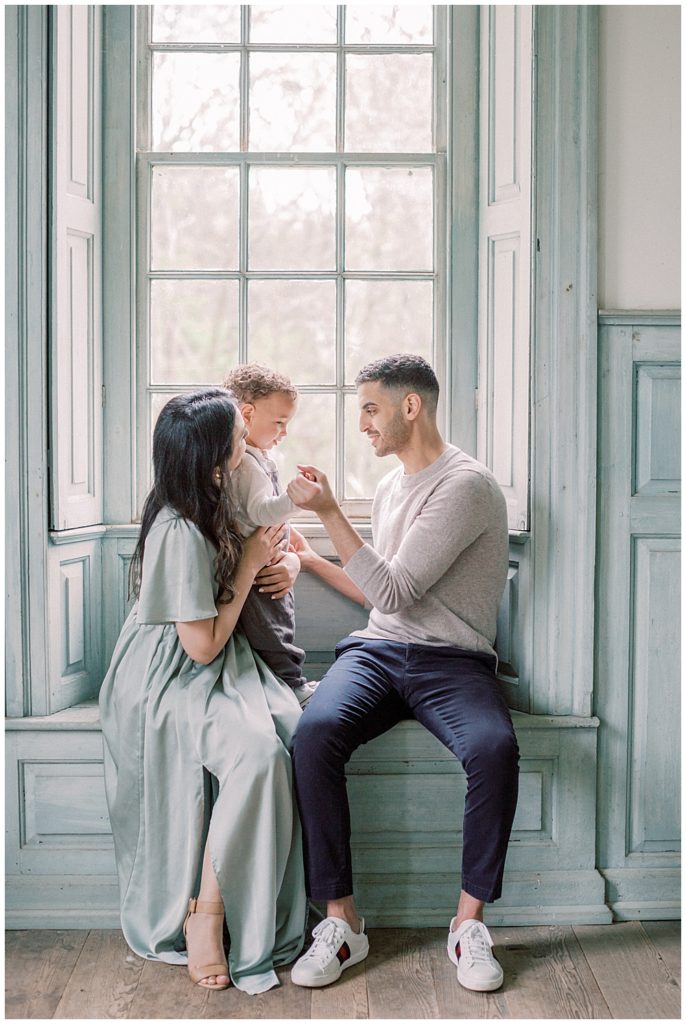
x=475, y=945
x=328, y=937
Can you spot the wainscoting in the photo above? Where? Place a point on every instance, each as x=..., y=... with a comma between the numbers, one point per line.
x=406, y=795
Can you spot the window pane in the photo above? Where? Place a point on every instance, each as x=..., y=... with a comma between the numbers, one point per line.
x=293, y=102
x=195, y=102
x=188, y=23
x=158, y=402
x=389, y=218
x=388, y=103
x=363, y=468
x=193, y=331
x=291, y=222
x=385, y=317
x=292, y=328
x=194, y=218
x=310, y=438
x=365, y=23
x=292, y=24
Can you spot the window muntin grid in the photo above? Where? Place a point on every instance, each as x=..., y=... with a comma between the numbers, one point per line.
x=315, y=257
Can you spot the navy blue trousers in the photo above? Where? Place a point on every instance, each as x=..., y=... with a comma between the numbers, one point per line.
x=371, y=686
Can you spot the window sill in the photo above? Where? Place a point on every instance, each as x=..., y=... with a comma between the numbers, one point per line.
x=312, y=530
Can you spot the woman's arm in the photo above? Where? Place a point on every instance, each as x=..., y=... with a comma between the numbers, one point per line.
x=324, y=569
x=204, y=639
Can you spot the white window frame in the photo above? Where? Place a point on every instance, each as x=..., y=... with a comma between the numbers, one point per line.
x=146, y=160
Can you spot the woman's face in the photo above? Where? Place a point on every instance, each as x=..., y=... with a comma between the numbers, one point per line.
x=239, y=435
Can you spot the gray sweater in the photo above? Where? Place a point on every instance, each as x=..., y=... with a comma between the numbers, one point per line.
x=438, y=565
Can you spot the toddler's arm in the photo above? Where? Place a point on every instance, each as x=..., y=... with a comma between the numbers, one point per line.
x=255, y=496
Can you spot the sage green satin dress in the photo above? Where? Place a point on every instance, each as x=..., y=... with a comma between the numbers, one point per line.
x=192, y=750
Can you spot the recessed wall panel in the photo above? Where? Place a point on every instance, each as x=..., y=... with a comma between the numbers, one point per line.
x=81, y=362
x=80, y=106
x=504, y=104
x=503, y=301
x=75, y=610
x=654, y=777
x=657, y=452
x=63, y=804
x=437, y=804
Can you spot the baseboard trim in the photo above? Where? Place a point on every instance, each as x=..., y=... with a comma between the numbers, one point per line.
x=548, y=897
x=649, y=910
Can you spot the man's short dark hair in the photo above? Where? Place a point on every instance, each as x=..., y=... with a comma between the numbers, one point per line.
x=403, y=372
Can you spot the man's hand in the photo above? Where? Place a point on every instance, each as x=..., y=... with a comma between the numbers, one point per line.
x=279, y=578
x=311, y=490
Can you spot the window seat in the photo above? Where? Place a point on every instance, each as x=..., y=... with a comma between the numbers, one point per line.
x=406, y=793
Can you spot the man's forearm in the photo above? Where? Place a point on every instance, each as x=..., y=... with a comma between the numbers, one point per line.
x=344, y=536
x=332, y=574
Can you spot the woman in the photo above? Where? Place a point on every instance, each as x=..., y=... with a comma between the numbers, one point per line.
x=196, y=727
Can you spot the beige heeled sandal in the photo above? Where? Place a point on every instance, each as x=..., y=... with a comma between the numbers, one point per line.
x=199, y=974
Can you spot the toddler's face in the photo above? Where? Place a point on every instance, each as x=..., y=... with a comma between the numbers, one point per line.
x=267, y=419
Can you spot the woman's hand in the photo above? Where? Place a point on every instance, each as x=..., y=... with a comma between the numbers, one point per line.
x=262, y=547
x=302, y=549
x=278, y=579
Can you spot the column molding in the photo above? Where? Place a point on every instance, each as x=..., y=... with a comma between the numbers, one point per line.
x=26, y=241
x=463, y=229
x=119, y=309
x=564, y=360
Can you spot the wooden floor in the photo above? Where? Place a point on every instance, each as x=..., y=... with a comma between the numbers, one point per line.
x=628, y=970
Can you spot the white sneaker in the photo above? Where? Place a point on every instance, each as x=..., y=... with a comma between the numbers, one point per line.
x=305, y=692
x=336, y=946
x=469, y=947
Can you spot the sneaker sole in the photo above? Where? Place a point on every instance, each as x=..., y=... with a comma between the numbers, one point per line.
x=356, y=958
x=481, y=986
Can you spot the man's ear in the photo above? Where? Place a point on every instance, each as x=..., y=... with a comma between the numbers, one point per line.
x=247, y=412
x=412, y=404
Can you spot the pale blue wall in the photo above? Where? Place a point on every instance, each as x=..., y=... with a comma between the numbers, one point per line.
x=61, y=865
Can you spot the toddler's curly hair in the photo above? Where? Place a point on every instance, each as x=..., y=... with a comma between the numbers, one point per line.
x=255, y=380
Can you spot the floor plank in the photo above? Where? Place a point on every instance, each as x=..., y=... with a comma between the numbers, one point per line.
x=37, y=968
x=399, y=974
x=104, y=980
x=454, y=1001
x=166, y=992
x=627, y=970
x=546, y=975
x=666, y=937
x=345, y=1000
x=636, y=981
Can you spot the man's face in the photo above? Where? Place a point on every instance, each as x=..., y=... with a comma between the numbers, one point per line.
x=381, y=418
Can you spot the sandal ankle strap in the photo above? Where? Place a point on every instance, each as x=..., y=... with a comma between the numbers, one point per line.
x=205, y=907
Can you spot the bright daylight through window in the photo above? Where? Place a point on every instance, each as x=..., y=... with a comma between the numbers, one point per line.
x=291, y=208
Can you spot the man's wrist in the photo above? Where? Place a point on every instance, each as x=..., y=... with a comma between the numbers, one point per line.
x=331, y=513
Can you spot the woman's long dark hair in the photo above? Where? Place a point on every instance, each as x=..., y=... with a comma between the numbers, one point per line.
x=193, y=436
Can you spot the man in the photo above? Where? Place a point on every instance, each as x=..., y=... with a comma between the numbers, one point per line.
x=433, y=579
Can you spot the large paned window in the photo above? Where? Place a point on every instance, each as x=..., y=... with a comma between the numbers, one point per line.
x=291, y=209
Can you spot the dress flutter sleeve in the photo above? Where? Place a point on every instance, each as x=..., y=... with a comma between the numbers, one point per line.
x=177, y=575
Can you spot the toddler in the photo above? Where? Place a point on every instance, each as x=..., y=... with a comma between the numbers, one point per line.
x=267, y=401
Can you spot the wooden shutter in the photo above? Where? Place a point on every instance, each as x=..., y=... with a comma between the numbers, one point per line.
x=76, y=356
x=505, y=254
